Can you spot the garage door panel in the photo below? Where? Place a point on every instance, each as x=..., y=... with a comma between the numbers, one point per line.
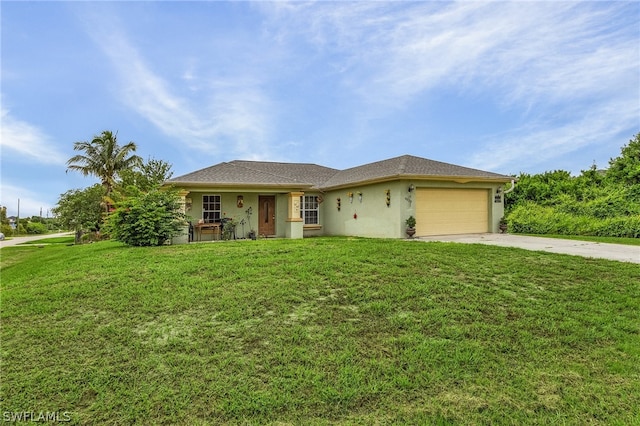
x=451, y=211
x=457, y=217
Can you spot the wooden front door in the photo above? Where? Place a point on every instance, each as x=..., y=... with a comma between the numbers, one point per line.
x=267, y=215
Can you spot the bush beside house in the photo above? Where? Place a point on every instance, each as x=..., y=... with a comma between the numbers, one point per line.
x=597, y=202
x=149, y=219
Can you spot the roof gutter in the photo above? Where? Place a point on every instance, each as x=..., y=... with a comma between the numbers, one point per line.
x=242, y=186
x=457, y=179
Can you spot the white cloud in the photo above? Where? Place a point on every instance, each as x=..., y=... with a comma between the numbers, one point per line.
x=567, y=70
x=28, y=141
x=232, y=115
x=539, y=61
x=536, y=143
x=524, y=51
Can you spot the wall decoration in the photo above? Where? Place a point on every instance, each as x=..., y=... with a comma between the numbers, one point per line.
x=388, y=192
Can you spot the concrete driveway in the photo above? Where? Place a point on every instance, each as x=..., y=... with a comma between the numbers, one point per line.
x=619, y=252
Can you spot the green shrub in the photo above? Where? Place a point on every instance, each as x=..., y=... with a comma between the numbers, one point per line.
x=568, y=204
x=81, y=210
x=36, y=228
x=7, y=230
x=624, y=226
x=597, y=202
x=531, y=218
x=149, y=219
x=616, y=203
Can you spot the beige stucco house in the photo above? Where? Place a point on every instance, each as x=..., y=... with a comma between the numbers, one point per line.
x=296, y=200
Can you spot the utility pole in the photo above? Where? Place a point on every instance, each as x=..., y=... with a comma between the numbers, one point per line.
x=18, y=219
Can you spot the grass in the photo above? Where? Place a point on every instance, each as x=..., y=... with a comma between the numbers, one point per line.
x=319, y=331
x=52, y=240
x=596, y=239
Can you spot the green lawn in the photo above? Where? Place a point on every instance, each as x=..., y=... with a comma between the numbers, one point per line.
x=319, y=331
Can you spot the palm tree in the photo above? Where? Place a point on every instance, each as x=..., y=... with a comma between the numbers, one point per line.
x=104, y=158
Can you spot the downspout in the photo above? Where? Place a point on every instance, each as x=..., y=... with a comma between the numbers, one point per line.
x=513, y=185
x=503, y=225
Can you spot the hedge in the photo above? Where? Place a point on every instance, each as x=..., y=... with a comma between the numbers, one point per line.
x=532, y=218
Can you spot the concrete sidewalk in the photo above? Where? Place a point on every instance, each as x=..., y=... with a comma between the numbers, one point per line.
x=619, y=252
x=19, y=240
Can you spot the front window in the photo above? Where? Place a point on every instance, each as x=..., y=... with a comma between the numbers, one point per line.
x=211, y=208
x=309, y=210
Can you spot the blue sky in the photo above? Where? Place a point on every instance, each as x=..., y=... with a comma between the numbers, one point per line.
x=507, y=87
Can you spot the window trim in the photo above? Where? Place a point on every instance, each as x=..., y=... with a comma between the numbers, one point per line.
x=304, y=210
x=213, y=211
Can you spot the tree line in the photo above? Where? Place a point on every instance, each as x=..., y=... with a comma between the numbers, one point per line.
x=33, y=225
x=596, y=202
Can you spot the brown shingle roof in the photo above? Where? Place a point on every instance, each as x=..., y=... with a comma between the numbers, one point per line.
x=265, y=173
x=240, y=172
x=407, y=166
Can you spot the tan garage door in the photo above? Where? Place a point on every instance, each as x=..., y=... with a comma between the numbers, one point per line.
x=451, y=211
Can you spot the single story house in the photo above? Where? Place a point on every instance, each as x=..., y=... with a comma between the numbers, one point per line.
x=296, y=200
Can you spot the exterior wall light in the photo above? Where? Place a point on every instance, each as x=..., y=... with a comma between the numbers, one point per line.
x=410, y=190
x=359, y=196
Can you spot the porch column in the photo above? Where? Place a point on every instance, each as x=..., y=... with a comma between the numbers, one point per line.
x=185, y=204
x=294, y=223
